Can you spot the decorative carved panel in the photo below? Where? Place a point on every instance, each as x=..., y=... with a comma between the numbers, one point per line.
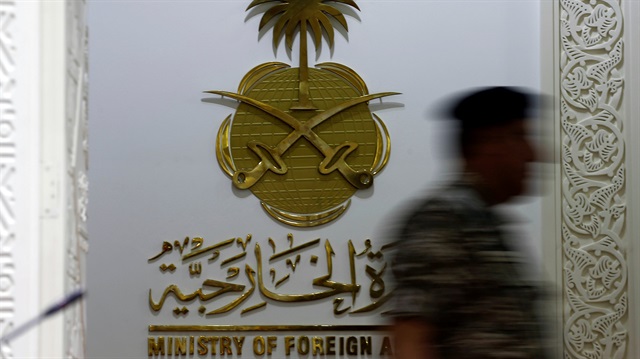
x=8, y=171
x=76, y=175
x=594, y=201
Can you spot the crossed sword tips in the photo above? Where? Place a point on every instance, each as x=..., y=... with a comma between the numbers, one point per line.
x=271, y=156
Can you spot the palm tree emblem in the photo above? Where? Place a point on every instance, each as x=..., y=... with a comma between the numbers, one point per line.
x=303, y=140
x=300, y=13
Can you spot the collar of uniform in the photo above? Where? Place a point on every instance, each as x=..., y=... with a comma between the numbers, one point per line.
x=475, y=182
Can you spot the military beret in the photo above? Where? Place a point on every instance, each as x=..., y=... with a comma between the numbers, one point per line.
x=491, y=106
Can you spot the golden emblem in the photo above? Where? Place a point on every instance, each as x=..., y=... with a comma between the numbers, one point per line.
x=303, y=140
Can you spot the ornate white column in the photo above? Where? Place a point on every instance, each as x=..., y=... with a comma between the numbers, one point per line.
x=64, y=171
x=75, y=176
x=43, y=181
x=7, y=172
x=592, y=80
x=19, y=180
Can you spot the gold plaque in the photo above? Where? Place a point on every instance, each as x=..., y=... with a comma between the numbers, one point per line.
x=302, y=140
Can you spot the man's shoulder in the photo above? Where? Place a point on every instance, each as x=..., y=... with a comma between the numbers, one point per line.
x=451, y=200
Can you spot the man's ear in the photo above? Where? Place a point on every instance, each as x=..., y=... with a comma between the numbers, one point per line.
x=487, y=143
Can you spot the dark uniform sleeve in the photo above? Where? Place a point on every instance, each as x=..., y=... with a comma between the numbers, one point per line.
x=431, y=265
x=453, y=271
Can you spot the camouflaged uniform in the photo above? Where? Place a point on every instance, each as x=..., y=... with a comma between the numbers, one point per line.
x=454, y=271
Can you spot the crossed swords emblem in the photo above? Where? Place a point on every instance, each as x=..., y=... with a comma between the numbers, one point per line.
x=271, y=156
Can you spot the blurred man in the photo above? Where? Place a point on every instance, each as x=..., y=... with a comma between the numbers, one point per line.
x=459, y=293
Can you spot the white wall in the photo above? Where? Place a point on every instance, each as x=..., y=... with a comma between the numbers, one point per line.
x=154, y=175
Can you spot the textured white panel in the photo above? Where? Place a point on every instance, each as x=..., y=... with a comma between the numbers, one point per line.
x=19, y=150
x=64, y=187
x=594, y=179
x=8, y=169
x=76, y=175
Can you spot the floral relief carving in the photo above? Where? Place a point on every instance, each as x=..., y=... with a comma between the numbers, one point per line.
x=9, y=172
x=77, y=163
x=593, y=179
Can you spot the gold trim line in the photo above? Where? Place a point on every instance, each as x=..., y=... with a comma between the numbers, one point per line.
x=265, y=328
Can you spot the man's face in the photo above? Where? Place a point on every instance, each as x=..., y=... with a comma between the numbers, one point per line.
x=501, y=154
x=513, y=153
